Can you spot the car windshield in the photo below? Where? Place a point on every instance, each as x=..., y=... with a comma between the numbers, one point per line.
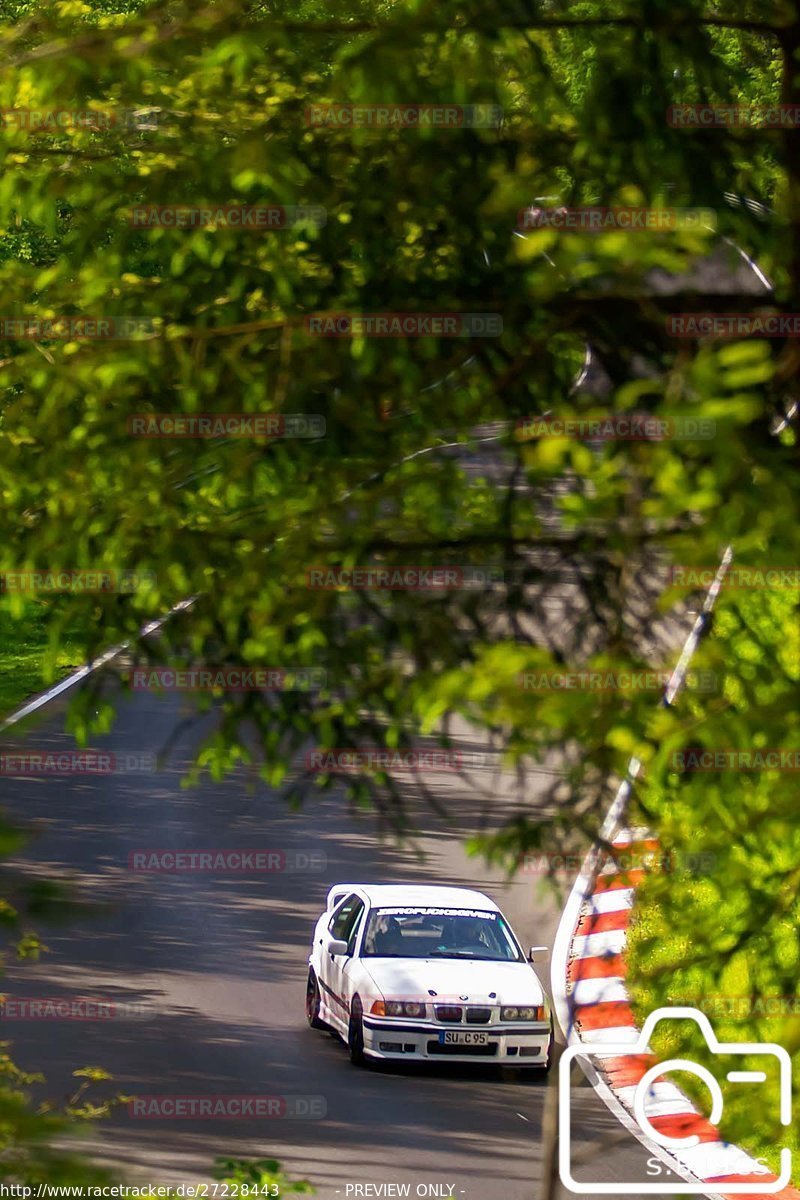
x=439, y=933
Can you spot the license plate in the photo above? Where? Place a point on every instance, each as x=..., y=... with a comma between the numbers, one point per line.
x=453, y=1037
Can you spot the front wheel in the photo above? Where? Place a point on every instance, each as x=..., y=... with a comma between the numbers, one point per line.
x=541, y=1070
x=544, y=1070
x=355, y=1034
x=313, y=1002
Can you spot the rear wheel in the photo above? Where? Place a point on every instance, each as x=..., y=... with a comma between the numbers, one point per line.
x=313, y=1002
x=355, y=1034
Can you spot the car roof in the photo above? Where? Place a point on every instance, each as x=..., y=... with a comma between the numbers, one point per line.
x=401, y=894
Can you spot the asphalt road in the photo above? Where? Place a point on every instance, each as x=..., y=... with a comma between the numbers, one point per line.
x=213, y=968
x=216, y=964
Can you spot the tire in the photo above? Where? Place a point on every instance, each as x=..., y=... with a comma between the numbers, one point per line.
x=543, y=1072
x=355, y=1034
x=539, y=1072
x=536, y=1074
x=313, y=1001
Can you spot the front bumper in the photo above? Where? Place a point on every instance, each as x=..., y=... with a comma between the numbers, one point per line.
x=422, y=1041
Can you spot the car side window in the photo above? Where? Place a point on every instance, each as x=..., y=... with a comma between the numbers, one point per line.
x=352, y=932
x=345, y=918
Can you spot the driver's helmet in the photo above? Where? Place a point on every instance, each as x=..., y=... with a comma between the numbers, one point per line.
x=464, y=931
x=388, y=937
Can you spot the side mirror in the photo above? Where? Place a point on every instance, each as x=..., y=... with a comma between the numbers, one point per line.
x=538, y=954
x=336, y=947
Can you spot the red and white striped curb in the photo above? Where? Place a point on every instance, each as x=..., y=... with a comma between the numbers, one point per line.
x=593, y=1007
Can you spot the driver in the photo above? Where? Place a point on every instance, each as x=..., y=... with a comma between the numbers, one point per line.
x=388, y=936
x=461, y=933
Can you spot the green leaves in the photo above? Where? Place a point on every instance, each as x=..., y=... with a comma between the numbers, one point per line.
x=264, y=1174
x=575, y=534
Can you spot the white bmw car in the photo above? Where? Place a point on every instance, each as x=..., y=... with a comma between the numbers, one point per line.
x=426, y=974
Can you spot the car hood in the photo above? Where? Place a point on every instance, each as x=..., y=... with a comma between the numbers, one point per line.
x=453, y=980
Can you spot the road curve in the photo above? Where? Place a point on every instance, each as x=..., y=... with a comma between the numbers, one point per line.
x=216, y=964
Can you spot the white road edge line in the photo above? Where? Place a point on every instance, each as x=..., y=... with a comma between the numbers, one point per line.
x=64, y=685
x=582, y=890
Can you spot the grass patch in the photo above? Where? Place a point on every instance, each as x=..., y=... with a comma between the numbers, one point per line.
x=28, y=661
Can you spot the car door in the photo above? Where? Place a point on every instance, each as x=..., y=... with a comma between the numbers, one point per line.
x=345, y=924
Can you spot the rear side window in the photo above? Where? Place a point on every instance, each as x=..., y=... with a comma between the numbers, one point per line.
x=345, y=919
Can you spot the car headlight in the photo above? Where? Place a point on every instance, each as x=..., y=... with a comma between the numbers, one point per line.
x=398, y=1008
x=525, y=1013
x=414, y=1009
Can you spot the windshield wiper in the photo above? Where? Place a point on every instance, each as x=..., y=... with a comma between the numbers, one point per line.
x=458, y=954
